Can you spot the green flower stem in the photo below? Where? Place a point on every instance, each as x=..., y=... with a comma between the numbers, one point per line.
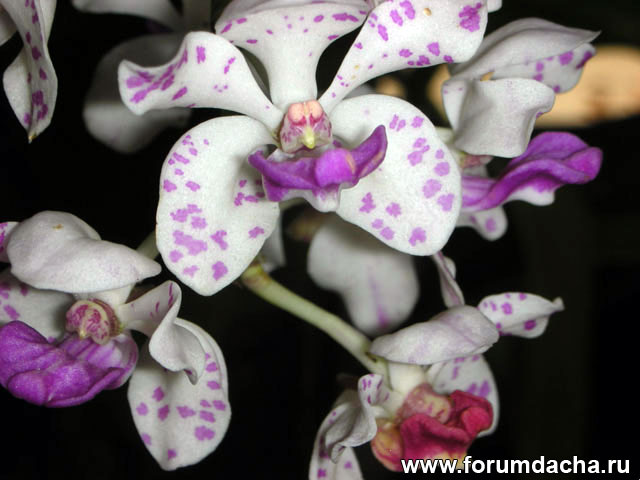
x=148, y=247
x=260, y=283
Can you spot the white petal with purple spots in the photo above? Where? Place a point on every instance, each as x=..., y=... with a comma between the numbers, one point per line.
x=457, y=332
x=522, y=314
x=418, y=178
x=107, y=118
x=180, y=423
x=43, y=310
x=409, y=34
x=289, y=40
x=206, y=72
x=213, y=217
x=30, y=82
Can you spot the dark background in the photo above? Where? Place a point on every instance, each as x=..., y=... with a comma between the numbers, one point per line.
x=570, y=392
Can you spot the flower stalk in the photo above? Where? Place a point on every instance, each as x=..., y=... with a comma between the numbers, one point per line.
x=356, y=343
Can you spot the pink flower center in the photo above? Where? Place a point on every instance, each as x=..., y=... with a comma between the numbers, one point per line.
x=94, y=319
x=304, y=125
x=431, y=426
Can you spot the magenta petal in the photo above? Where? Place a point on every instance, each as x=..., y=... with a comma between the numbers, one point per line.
x=551, y=160
x=62, y=375
x=331, y=169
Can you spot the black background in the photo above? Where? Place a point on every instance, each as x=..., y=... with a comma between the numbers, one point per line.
x=570, y=392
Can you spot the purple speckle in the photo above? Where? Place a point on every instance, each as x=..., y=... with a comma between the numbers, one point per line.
x=431, y=187
x=179, y=93
x=434, y=48
x=203, y=433
x=530, y=324
x=417, y=236
x=219, y=270
x=442, y=169
x=446, y=202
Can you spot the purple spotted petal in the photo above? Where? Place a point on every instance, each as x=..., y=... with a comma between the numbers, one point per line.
x=379, y=285
x=5, y=229
x=457, y=332
x=526, y=61
x=412, y=200
x=43, y=310
x=319, y=178
x=207, y=71
x=468, y=374
x=62, y=375
x=289, y=40
x=107, y=118
x=552, y=159
x=58, y=251
x=30, y=82
x=161, y=11
x=178, y=422
x=449, y=288
x=172, y=345
x=213, y=216
x=409, y=34
x=521, y=314
x=517, y=49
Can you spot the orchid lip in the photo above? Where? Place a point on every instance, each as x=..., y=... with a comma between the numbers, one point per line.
x=332, y=169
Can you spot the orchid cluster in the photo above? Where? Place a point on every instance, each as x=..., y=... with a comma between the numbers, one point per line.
x=383, y=184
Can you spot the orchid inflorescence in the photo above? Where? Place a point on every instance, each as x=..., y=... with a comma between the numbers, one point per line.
x=383, y=183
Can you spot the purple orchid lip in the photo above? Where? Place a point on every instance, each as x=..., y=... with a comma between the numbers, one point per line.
x=551, y=160
x=65, y=374
x=328, y=171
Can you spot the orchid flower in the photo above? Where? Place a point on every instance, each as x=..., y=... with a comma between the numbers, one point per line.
x=216, y=209
x=66, y=336
x=379, y=285
x=439, y=393
x=493, y=99
x=551, y=160
x=107, y=119
x=30, y=82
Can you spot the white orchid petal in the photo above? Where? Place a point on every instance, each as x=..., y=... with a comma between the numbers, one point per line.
x=43, y=310
x=107, y=118
x=161, y=11
x=58, y=251
x=180, y=423
x=30, y=82
x=522, y=314
x=457, y=332
x=273, y=254
x=471, y=375
x=322, y=467
x=520, y=42
x=490, y=224
x=411, y=201
x=451, y=292
x=172, y=345
x=379, y=285
x=207, y=72
x=409, y=34
x=354, y=423
x=289, y=40
x=495, y=117
x=5, y=230
x=213, y=217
